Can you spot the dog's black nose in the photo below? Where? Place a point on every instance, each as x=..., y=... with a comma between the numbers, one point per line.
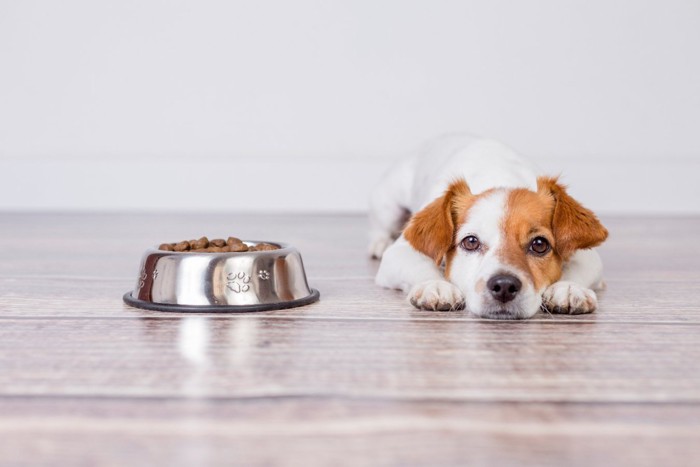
x=504, y=287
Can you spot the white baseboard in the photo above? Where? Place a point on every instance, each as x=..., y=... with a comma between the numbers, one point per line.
x=309, y=185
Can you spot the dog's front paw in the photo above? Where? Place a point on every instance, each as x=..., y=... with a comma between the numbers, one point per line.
x=569, y=298
x=436, y=295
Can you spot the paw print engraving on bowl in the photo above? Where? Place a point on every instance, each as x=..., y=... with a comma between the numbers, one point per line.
x=155, y=274
x=238, y=282
x=264, y=274
x=142, y=278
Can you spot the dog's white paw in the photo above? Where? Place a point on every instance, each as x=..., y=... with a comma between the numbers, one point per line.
x=378, y=245
x=436, y=295
x=569, y=298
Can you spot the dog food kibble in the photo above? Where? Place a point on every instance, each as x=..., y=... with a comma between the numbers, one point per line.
x=182, y=246
x=217, y=245
x=237, y=247
x=233, y=241
x=266, y=247
x=200, y=244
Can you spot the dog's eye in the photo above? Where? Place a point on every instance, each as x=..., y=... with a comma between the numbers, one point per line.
x=471, y=243
x=540, y=246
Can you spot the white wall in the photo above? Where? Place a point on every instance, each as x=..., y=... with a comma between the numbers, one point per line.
x=299, y=105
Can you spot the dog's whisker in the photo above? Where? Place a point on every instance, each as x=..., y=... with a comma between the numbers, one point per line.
x=546, y=310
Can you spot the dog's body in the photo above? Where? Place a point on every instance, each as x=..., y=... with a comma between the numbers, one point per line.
x=510, y=241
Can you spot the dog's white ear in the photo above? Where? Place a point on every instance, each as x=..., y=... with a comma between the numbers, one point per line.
x=431, y=230
x=574, y=226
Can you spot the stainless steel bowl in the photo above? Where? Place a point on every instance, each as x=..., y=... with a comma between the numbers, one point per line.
x=221, y=282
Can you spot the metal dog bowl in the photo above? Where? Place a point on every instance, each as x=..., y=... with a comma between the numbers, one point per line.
x=221, y=282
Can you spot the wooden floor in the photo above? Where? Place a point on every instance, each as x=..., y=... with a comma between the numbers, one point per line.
x=359, y=378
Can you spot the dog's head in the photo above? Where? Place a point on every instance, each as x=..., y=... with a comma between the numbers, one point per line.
x=504, y=247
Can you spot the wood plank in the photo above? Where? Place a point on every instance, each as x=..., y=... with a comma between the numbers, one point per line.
x=293, y=431
x=348, y=298
x=256, y=356
x=111, y=245
x=358, y=378
x=332, y=246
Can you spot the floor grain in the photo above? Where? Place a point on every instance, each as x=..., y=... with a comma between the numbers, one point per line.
x=359, y=378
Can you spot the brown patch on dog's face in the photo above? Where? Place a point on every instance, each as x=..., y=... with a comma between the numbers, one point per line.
x=529, y=216
x=431, y=230
x=549, y=214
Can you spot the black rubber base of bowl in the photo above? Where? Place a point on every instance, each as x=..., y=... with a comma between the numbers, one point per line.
x=131, y=301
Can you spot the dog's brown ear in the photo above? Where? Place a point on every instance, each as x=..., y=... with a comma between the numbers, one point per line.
x=574, y=226
x=431, y=230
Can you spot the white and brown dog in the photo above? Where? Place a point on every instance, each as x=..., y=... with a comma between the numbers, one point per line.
x=510, y=242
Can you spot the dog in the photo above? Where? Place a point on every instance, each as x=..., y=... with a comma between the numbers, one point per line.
x=467, y=223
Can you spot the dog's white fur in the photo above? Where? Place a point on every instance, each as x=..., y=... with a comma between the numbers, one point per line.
x=484, y=164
